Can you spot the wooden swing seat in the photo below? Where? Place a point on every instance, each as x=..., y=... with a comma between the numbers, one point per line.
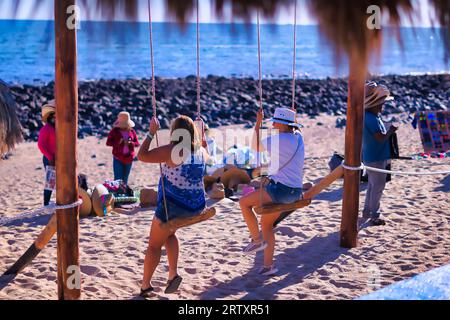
x=178, y=223
x=272, y=208
x=307, y=197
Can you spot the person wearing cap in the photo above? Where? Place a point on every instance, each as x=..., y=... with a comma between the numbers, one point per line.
x=123, y=139
x=287, y=154
x=376, y=150
x=47, y=141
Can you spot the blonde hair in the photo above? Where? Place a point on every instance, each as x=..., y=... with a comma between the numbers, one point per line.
x=186, y=123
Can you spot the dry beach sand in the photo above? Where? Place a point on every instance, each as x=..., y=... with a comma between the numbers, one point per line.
x=312, y=265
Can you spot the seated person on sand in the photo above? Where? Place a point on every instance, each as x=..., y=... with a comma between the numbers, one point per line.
x=123, y=139
x=47, y=141
x=212, y=146
x=376, y=149
x=285, y=182
x=183, y=168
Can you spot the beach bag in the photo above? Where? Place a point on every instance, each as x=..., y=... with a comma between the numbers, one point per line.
x=393, y=144
x=119, y=188
x=335, y=161
x=50, y=178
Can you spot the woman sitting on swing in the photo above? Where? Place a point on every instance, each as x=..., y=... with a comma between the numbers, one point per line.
x=180, y=194
x=284, y=183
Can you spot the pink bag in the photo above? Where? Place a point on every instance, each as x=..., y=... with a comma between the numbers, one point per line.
x=247, y=190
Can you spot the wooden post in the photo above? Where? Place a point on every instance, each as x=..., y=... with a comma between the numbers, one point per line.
x=353, y=150
x=66, y=94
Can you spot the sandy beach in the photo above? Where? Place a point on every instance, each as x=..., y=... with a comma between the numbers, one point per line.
x=312, y=265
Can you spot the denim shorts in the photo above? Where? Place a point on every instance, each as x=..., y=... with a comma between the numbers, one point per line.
x=282, y=194
x=174, y=211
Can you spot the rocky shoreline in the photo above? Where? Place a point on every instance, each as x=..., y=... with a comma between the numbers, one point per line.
x=224, y=100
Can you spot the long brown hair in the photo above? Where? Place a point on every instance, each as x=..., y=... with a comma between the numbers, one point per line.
x=186, y=123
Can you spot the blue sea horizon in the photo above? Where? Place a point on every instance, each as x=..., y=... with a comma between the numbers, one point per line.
x=120, y=50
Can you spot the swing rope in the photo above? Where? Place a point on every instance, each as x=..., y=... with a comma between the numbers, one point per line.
x=198, y=65
x=153, y=85
x=258, y=130
x=294, y=57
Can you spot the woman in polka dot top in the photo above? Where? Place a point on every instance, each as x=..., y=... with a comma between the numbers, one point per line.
x=183, y=165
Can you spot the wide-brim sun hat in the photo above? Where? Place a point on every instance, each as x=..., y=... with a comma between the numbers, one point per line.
x=124, y=121
x=148, y=198
x=375, y=95
x=285, y=116
x=102, y=201
x=47, y=110
x=86, y=207
x=217, y=192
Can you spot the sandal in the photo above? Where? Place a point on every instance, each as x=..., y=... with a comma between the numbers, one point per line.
x=173, y=285
x=377, y=222
x=146, y=293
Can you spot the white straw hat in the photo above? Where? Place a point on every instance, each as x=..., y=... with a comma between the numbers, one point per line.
x=285, y=116
x=376, y=94
x=124, y=120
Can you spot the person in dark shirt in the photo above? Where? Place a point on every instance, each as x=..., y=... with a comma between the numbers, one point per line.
x=376, y=149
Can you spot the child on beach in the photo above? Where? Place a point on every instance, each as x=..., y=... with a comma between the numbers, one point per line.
x=123, y=139
x=376, y=149
x=47, y=141
x=183, y=185
x=284, y=186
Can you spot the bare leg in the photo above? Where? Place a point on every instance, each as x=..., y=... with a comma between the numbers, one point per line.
x=247, y=203
x=157, y=239
x=172, y=249
x=267, y=222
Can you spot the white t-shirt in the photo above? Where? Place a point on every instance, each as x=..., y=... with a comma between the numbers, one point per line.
x=286, y=151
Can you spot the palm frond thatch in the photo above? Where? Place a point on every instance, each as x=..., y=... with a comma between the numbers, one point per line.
x=10, y=128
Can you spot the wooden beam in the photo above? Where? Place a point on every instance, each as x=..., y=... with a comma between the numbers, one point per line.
x=353, y=149
x=324, y=183
x=44, y=237
x=307, y=197
x=66, y=94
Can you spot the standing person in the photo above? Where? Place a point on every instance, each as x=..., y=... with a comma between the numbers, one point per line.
x=285, y=186
x=182, y=181
x=123, y=139
x=376, y=149
x=47, y=141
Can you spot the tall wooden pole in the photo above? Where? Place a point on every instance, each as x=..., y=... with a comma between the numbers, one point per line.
x=353, y=150
x=66, y=93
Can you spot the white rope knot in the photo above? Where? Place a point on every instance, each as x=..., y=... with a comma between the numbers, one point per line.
x=360, y=168
x=67, y=206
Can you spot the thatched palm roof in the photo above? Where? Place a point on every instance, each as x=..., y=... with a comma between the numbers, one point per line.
x=10, y=129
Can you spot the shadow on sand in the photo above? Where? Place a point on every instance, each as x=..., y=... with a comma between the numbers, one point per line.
x=445, y=187
x=294, y=265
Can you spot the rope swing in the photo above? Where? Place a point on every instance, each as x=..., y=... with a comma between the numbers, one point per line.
x=208, y=213
x=294, y=58
x=315, y=190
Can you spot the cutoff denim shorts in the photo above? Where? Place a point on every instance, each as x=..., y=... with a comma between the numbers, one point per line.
x=282, y=194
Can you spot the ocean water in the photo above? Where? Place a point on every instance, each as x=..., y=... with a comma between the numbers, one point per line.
x=121, y=50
